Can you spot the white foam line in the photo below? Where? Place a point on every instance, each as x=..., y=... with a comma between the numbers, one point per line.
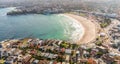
x=79, y=32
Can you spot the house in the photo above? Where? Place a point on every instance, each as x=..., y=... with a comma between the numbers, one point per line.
x=118, y=62
x=8, y=45
x=67, y=58
x=60, y=42
x=23, y=46
x=35, y=62
x=42, y=54
x=52, y=48
x=100, y=61
x=51, y=56
x=27, y=59
x=83, y=47
x=51, y=62
x=63, y=50
x=29, y=40
x=68, y=51
x=102, y=34
x=41, y=62
x=46, y=54
x=44, y=62
x=10, y=52
x=77, y=52
x=102, y=49
x=5, y=53
x=55, y=55
x=1, y=52
x=55, y=45
x=31, y=60
x=94, y=51
x=9, y=61
x=1, y=45
x=119, y=49
x=42, y=49
x=107, y=59
x=20, y=58
x=33, y=52
x=40, y=42
x=91, y=61
x=86, y=54
x=83, y=61
x=17, y=52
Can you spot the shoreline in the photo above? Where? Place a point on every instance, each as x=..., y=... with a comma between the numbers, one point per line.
x=79, y=29
x=89, y=29
x=82, y=30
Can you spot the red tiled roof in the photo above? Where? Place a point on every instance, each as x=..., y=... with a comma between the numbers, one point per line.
x=27, y=59
x=91, y=61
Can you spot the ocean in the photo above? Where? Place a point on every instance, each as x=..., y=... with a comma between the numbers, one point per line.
x=53, y=26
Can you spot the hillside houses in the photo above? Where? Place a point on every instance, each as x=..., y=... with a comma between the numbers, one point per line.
x=37, y=51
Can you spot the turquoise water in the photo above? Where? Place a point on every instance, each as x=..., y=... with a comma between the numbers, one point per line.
x=33, y=25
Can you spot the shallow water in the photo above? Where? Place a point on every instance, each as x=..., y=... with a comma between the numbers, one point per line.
x=34, y=25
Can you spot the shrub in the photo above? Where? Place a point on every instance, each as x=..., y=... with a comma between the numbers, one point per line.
x=99, y=43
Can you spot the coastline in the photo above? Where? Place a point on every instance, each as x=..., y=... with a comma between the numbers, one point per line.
x=78, y=33
x=89, y=29
x=83, y=32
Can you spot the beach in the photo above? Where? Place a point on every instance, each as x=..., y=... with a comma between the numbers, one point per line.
x=43, y=27
x=89, y=29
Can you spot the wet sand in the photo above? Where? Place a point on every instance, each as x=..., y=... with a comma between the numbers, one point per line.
x=89, y=29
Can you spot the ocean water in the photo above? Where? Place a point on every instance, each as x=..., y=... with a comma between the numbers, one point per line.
x=35, y=25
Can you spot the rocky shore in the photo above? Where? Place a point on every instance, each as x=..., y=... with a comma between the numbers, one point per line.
x=34, y=10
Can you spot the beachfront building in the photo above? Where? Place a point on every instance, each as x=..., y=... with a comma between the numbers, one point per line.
x=36, y=51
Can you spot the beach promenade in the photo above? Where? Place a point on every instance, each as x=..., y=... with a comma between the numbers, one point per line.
x=89, y=29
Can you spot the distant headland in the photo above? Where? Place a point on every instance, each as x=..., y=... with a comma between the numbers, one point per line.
x=22, y=10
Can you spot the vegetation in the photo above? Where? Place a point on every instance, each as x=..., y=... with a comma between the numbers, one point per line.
x=64, y=45
x=106, y=22
x=2, y=61
x=89, y=49
x=38, y=57
x=60, y=58
x=74, y=46
x=99, y=43
x=99, y=54
x=114, y=62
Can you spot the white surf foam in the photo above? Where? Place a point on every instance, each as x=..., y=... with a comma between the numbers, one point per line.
x=78, y=32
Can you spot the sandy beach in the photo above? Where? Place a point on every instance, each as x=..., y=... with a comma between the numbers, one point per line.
x=89, y=29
